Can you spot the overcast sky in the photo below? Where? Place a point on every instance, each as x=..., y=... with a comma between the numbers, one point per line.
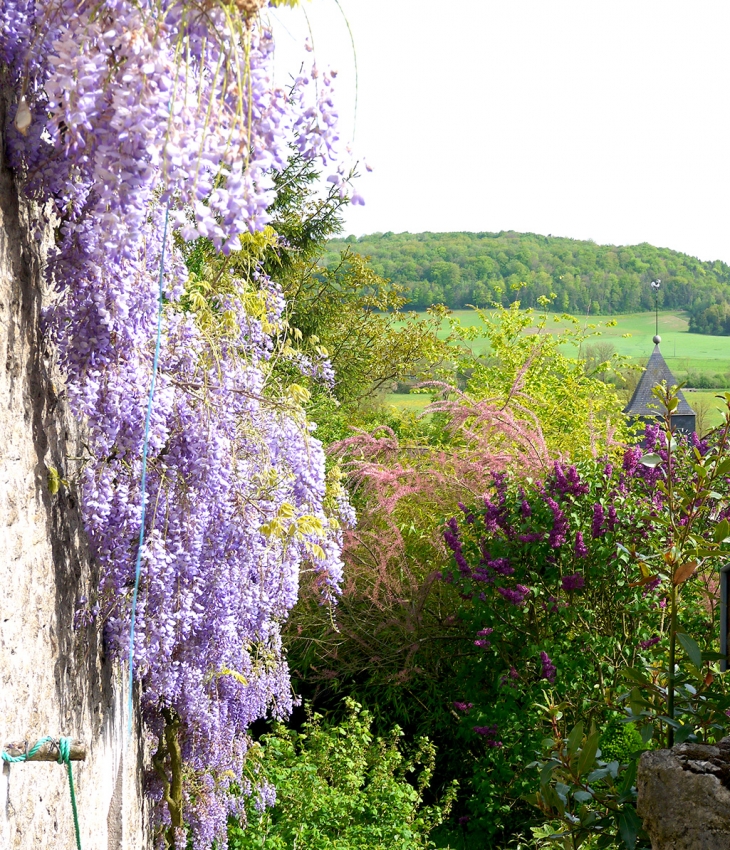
x=582, y=118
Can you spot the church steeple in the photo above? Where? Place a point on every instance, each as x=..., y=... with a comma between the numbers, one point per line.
x=644, y=405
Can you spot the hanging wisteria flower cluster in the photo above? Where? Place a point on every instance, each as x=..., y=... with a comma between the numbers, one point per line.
x=129, y=114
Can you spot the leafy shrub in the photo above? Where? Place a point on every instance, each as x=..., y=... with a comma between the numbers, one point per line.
x=620, y=741
x=338, y=787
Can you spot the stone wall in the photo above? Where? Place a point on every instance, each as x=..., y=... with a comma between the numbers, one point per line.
x=54, y=679
x=684, y=796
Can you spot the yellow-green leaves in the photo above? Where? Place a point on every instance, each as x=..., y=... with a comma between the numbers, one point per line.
x=54, y=480
x=286, y=526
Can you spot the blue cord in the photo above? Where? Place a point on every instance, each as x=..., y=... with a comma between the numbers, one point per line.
x=143, y=484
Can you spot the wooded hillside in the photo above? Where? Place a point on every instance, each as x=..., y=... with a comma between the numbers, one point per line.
x=476, y=268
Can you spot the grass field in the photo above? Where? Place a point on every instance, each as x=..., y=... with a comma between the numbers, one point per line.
x=708, y=400
x=632, y=337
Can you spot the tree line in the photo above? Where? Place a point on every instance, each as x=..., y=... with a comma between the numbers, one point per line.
x=460, y=269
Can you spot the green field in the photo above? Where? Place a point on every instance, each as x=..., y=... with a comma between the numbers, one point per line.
x=632, y=337
x=706, y=406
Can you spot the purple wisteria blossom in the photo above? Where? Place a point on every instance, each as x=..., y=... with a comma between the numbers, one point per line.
x=123, y=133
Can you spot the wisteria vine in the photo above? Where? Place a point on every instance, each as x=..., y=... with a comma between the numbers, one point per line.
x=121, y=110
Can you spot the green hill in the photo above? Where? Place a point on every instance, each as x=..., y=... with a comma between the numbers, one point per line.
x=458, y=269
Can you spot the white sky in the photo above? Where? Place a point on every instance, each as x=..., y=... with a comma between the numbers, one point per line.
x=583, y=118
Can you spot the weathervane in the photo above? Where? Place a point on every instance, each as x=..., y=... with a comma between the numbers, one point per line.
x=655, y=284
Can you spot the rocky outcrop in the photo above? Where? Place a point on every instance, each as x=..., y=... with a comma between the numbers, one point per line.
x=53, y=678
x=684, y=796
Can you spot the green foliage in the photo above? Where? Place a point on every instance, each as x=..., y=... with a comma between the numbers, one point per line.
x=344, y=314
x=619, y=741
x=588, y=797
x=578, y=413
x=340, y=788
x=458, y=269
x=354, y=315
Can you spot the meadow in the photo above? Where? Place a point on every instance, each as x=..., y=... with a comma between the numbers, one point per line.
x=631, y=335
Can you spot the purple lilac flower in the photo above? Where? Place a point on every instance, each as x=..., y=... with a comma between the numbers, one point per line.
x=632, y=457
x=525, y=509
x=652, y=585
x=482, y=634
x=608, y=470
x=581, y=550
x=451, y=538
x=463, y=706
x=612, y=521
x=531, y=537
x=598, y=518
x=647, y=644
x=702, y=446
x=491, y=516
x=548, y=668
x=560, y=528
x=516, y=596
x=567, y=481
x=500, y=485
x=468, y=515
x=573, y=582
x=551, y=605
x=501, y=566
x=489, y=733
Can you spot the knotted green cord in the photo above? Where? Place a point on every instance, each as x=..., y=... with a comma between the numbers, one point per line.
x=64, y=757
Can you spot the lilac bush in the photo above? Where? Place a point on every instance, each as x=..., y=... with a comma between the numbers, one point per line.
x=565, y=583
x=129, y=114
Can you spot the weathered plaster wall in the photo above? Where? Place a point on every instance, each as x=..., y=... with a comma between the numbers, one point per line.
x=53, y=680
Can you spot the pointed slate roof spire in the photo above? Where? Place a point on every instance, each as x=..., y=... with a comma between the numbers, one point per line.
x=643, y=402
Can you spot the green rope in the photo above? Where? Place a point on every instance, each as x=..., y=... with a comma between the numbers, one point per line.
x=64, y=757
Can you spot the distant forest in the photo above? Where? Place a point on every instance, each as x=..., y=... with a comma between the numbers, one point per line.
x=458, y=269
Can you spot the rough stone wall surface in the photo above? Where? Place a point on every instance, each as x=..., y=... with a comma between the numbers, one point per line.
x=53, y=679
x=684, y=796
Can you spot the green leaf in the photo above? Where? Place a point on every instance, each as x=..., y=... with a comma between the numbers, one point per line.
x=694, y=653
x=647, y=733
x=546, y=772
x=598, y=773
x=588, y=753
x=651, y=460
x=681, y=735
x=629, y=825
x=635, y=675
x=629, y=777
x=724, y=467
x=582, y=796
x=574, y=739
x=712, y=656
x=722, y=531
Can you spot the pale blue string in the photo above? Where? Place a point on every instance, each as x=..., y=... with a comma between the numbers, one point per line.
x=143, y=483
